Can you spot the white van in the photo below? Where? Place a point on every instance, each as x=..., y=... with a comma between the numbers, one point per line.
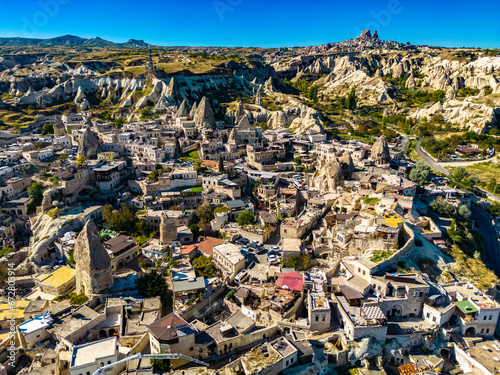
x=240, y=275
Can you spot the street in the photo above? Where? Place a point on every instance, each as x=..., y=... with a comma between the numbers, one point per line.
x=430, y=161
x=491, y=248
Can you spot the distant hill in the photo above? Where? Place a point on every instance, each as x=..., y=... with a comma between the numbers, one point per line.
x=70, y=41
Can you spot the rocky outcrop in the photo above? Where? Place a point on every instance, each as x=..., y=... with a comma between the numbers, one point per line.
x=182, y=111
x=168, y=229
x=194, y=108
x=410, y=82
x=328, y=178
x=89, y=143
x=258, y=98
x=93, y=264
x=240, y=112
x=81, y=100
x=347, y=164
x=380, y=151
x=204, y=117
x=59, y=128
x=268, y=87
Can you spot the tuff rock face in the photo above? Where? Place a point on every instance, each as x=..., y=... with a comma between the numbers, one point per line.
x=168, y=229
x=59, y=128
x=93, y=264
x=380, y=151
x=204, y=117
x=328, y=178
x=182, y=111
x=240, y=112
x=88, y=145
x=347, y=164
x=258, y=98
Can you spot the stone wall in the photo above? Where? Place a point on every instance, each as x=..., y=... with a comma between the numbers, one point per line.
x=409, y=238
x=201, y=309
x=262, y=238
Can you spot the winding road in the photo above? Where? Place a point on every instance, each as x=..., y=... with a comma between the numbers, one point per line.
x=491, y=245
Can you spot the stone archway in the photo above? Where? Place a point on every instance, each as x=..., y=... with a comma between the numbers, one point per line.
x=102, y=334
x=112, y=332
x=471, y=331
x=394, y=310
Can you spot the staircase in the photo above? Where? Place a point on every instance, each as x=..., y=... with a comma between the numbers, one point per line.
x=459, y=340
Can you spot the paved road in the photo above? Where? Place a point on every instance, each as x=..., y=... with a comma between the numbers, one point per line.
x=491, y=245
x=463, y=163
x=430, y=161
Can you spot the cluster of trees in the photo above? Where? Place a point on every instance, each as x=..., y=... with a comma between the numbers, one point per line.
x=467, y=91
x=245, y=218
x=204, y=267
x=125, y=220
x=310, y=91
x=349, y=101
x=200, y=224
x=302, y=262
x=157, y=173
x=48, y=129
x=152, y=284
x=421, y=173
x=461, y=178
x=35, y=192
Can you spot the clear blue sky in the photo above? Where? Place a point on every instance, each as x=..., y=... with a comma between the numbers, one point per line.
x=264, y=23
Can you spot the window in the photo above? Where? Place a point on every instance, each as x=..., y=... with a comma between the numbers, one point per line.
x=491, y=316
x=287, y=363
x=109, y=362
x=485, y=317
x=291, y=360
x=317, y=318
x=191, y=348
x=482, y=331
x=434, y=319
x=324, y=318
x=487, y=330
x=428, y=315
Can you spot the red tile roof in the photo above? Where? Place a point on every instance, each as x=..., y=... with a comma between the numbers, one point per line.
x=167, y=327
x=290, y=280
x=205, y=245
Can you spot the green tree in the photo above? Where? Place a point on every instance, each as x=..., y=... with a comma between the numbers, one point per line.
x=245, y=218
x=421, y=173
x=298, y=160
x=62, y=157
x=464, y=211
x=221, y=164
x=35, y=192
x=80, y=160
x=152, y=284
x=204, y=266
x=48, y=129
x=440, y=206
x=161, y=365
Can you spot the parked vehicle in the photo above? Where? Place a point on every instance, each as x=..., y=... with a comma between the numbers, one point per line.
x=240, y=276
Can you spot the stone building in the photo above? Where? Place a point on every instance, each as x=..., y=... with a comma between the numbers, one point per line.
x=93, y=264
x=168, y=229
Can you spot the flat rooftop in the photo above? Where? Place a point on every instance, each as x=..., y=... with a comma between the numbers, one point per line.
x=90, y=353
x=58, y=277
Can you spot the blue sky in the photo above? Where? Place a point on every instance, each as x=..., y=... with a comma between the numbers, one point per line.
x=264, y=23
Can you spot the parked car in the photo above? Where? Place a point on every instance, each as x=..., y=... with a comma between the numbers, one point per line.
x=240, y=275
x=261, y=250
x=275, y=248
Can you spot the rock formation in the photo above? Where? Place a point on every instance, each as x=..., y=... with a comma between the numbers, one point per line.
x=347, y=164
x=204, y=117
x=328, y=178
x=240, y=112
x=182, y=111
x=380, y=151
x=410, y=82
x=168, y=229
x=93, y=264
x=269, y=85
x=258, y=98
x=194, y=108
x=89, y=143
x=59, y=128
x=81, y=100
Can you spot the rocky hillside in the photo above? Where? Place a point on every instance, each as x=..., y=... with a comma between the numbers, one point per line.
x=462, y=86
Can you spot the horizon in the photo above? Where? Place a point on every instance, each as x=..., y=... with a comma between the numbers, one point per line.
x=257, y=24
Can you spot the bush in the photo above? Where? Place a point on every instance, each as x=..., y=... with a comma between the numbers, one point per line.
x=190, y=301
x=204, y=266
x=78, y=299
x=230, y=294
x=441, y=207
x=245, y=218
x=152, y=284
